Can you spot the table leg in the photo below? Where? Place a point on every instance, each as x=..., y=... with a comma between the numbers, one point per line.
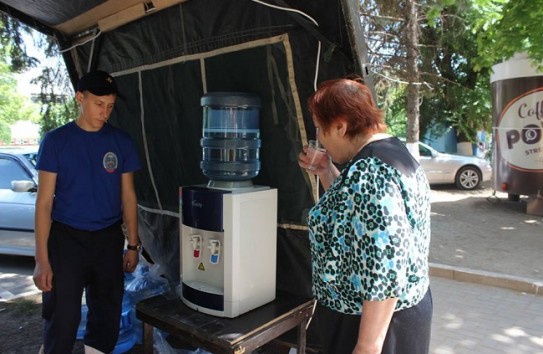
x=147, y=338
x=302, y=336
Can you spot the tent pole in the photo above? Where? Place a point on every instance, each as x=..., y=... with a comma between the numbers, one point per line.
x=351, y=12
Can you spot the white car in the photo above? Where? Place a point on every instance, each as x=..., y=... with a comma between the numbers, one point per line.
x=467, y=172
x=18, y=186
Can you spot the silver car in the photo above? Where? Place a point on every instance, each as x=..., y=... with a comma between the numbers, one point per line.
x=18, y=186
x=467, y=172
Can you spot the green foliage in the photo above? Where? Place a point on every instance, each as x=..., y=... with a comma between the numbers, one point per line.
x=57, y=114
x=5, y=133
x=13, y=106
x=466, y=109
x=453, y=93
x=10, y=101
x=461, y=94
x=57, y=105
x=57, y=108
x=434, y=10
x=506, y=27
x=12, y=44
x=395, y=103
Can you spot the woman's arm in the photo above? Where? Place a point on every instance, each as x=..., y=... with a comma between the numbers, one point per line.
x=374, y=324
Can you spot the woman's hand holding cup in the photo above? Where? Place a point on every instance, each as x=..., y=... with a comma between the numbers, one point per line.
x=314, y=158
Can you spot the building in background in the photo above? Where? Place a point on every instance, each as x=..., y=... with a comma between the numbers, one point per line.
x=25, y=133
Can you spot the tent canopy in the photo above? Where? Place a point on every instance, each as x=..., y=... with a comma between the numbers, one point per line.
x=166, y=54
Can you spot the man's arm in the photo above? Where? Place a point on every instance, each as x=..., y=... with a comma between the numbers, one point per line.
x=43, y=275
x=130, y=217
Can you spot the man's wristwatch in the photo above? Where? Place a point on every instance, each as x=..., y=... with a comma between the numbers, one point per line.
x=134, y=247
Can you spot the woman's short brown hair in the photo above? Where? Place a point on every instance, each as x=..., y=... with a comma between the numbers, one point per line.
x=346, y=99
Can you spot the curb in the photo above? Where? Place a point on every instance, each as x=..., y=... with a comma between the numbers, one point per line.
x=525, y=285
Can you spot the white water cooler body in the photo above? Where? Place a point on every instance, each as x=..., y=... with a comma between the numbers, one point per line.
x=228, y=248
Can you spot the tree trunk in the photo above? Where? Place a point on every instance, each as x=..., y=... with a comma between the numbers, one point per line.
x=413, y=77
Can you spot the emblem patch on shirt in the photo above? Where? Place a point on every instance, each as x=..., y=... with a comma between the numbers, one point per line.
x=110, y=162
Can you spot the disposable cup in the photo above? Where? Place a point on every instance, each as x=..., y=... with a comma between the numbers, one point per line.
x=315, y=152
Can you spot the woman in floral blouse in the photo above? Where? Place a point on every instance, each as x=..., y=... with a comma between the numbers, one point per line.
x=369, y=232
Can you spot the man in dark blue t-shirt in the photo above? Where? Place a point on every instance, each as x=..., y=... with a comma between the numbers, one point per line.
x=85, y=194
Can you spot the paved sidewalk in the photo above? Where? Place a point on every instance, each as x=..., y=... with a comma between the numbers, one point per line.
x=477, y=231
x=14, y=286
x=479, y=319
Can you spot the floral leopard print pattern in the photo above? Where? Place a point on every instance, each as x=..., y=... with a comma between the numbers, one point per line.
x=370, y=235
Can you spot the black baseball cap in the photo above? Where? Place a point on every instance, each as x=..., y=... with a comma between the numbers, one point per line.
x=98, y=83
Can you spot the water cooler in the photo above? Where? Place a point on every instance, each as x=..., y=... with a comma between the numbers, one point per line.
x=228, y=227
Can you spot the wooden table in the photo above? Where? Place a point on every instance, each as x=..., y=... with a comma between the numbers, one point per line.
x=218, y=335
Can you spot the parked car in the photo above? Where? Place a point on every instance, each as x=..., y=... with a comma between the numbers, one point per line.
x=467, y=172
x=18, y=186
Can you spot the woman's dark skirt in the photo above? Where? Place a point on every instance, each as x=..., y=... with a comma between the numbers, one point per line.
x=409, y=331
